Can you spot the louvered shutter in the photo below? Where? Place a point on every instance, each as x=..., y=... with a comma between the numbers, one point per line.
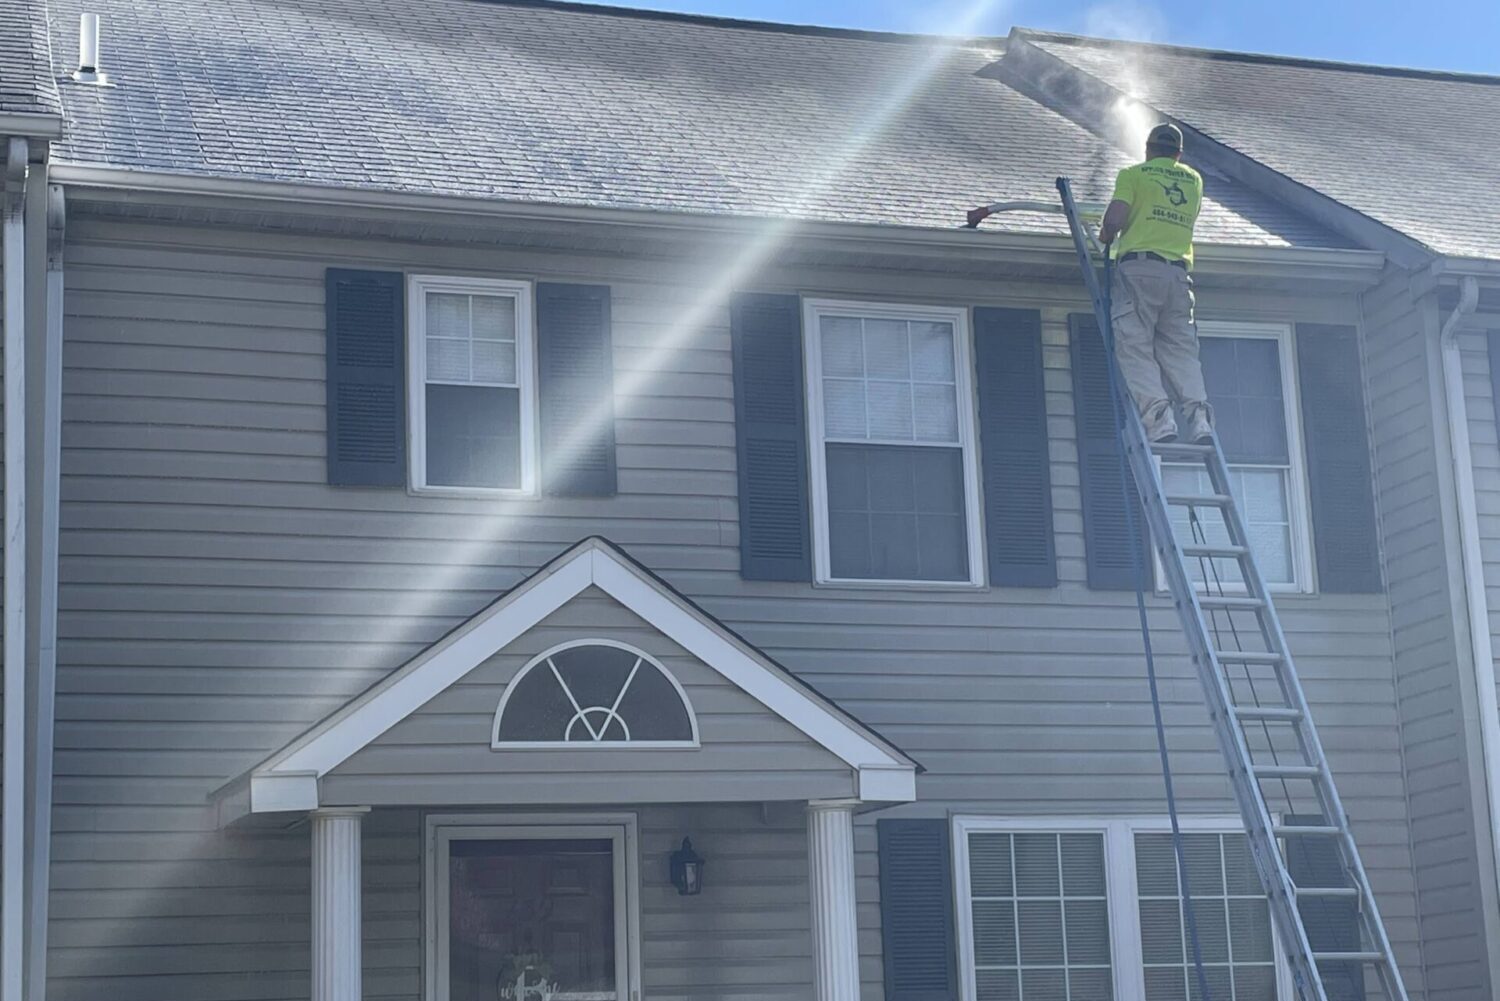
x=916, y=910
x=1340, y=482
x=1106, y=519
x=575, y=369
x=1333, y=924
x=365, y=378
x=1016, y=465
x=771, y=435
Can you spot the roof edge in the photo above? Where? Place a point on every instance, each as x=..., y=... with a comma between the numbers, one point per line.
x=1260, y=58
x=1085, y=98
x=1302, y=262
x=32, y=125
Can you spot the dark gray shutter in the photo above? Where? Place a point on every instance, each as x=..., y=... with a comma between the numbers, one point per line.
x=1106, y=521
x=366, y=378
x=916, y=910
x=1332, y=923
x=771, y=435
x=575, y=370
x=1340, y=483
x=1017, y=471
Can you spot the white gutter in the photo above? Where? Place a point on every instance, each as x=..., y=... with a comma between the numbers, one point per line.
x=45, y=688
x=13, y=649
x=333, y=200
x=1471, y=556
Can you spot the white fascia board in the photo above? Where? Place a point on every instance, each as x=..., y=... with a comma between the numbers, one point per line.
x=764, y=683
x=879, y=784
x=382, y=708
x=280, y=793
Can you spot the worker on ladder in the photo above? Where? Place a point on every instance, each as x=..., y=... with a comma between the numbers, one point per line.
x=1149, y=227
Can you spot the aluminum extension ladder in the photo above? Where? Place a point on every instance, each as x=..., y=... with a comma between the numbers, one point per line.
x=1282, y=727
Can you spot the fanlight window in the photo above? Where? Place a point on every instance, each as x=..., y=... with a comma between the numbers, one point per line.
x=594, y=692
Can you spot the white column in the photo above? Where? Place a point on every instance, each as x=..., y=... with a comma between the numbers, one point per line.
x=830, y=864
x=336, y=923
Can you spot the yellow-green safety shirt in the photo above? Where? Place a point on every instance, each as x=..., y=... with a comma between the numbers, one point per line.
x=1164, y=198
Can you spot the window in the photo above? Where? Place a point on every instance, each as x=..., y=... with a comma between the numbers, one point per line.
x=1084, y=910
x=473, y=385
x=592, y=692
x=890, y=415
x=1249, y=376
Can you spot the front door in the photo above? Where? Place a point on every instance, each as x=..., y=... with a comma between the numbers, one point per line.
x=531, y=913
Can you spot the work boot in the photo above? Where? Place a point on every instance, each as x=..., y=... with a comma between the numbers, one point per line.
x=1161, y=425
x=1200, y=418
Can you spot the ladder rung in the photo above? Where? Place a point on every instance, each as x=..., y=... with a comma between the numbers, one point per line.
x=1214, y=552
x=1348, y=957
x=1248, y=656
x=1200, y=500
x=1327, y=891
x=1165, y=448
x=1228, y=603
x=1286, y=713
x=1286, y=771
x=1294, y=830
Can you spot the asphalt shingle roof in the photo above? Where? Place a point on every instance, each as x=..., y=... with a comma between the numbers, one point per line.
x=537, y=102
x=1415, y=150
x=26, y=83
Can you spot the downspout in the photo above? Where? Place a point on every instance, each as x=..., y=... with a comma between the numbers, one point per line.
x=13, y=590
x=1470, y=555
x=45, y=688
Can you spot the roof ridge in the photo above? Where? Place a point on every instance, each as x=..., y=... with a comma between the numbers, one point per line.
x=1263, y=58
x=751, y=24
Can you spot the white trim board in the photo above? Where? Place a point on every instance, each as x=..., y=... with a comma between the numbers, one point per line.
x=288, y=779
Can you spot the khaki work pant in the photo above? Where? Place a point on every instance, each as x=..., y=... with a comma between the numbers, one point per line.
x=1156, y=341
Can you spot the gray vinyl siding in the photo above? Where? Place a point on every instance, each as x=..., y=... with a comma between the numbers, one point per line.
x=1404, y=391
x=441, y=752
x=217, y=598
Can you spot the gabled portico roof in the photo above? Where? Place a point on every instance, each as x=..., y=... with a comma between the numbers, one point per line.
x=289, y=780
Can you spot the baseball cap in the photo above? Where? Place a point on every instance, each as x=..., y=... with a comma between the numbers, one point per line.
x=1166, y=136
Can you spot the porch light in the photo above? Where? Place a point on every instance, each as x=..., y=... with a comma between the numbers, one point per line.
x=687, y=870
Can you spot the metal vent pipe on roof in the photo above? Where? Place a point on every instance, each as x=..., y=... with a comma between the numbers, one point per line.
x=88, y=52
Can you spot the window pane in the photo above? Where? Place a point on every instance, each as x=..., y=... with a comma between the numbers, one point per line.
x=447, y=359
x=495, y=361
x=594, y=693
x=896, y=513
x=1243, y=377
x=936, y=413
x=932, y=351
x=538, y=912
x=890, y=410
x=1261, y=495
x=473, y=436
x=995, y=932
x=494, y=317
x=887, y=352
x=989, y=865
x=447, y=315
x=844, y=409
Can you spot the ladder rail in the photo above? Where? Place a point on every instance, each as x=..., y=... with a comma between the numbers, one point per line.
x=1262, y=830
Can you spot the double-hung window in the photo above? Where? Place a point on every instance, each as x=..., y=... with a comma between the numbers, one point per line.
x=890, y=417
x=1248, y=372
x=1089, y=910
x=472, y=385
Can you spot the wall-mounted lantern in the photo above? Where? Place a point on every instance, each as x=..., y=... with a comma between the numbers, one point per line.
x=687, y=870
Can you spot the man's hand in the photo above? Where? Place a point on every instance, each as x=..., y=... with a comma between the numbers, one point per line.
x=1114, y=221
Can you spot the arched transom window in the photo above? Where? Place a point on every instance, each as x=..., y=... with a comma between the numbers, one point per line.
x=594, y=692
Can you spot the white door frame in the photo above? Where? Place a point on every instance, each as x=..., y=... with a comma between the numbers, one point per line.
x=441, y=829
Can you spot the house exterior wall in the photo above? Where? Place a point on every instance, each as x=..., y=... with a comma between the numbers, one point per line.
x=1404, y=390
x=441, y=753
x=218, y=597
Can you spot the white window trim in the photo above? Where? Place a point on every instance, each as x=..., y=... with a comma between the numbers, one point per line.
x=1121, y=890
x=620, y=828
x=812, y=310
x=1299, y=508
x=417, y=287
x=497, y=744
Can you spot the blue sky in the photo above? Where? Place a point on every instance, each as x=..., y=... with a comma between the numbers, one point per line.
x=1432, y=34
